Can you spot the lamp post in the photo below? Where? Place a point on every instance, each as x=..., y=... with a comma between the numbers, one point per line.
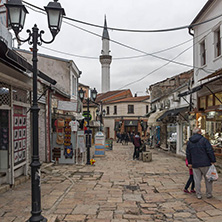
x=16, y=17
x=93, y=98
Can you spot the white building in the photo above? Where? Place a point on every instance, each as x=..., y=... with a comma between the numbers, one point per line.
x=206, y=29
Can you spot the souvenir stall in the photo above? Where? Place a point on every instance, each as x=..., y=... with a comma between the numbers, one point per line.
x=67, y=142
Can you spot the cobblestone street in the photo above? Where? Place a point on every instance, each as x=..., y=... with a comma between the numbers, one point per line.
x=116, y=189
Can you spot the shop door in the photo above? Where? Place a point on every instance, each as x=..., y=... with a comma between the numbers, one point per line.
x=4, y=140
x=107, y=133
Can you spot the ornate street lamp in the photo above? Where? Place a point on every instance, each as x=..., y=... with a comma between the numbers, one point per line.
x=81, y=94
x=16, y=14
x=93, y=94
x=88, y=140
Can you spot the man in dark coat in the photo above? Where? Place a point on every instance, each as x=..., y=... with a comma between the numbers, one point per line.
x=137, y=144
x=200, y=156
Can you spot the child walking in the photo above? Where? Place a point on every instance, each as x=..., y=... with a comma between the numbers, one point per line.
x=190, y=181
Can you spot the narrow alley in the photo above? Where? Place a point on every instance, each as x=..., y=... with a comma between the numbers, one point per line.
x=116, y=189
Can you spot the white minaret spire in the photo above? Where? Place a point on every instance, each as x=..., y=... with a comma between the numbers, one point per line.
x=105, y=60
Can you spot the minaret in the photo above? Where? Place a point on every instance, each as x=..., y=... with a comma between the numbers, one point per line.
x=105, y=60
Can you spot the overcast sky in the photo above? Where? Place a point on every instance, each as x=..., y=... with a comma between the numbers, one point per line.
x=125, y=14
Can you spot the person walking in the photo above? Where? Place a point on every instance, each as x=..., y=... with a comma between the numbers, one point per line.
x=190, y=181
x=132, y=136
x=127, y=138
x=137, y=144
x=118, y=135
x=200, y=156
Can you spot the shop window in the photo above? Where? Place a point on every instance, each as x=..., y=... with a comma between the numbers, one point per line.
x=210, y=100
x=115, y=110
x=4, y=94
x=74, y=86
x=202, y=103
x=171, y=137
x=219, y=96
x=107, y=110
x=21, y=95
x=202, y=53
x=147, y=108
x=130, y=108
x=217, y=40
x=214, y=130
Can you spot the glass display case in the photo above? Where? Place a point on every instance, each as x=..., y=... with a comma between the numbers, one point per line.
x=172, y=137
x=214, y=130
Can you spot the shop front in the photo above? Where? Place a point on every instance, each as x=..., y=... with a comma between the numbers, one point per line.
x=130, y=125
x=156, y=129
x=209, y=116
x=177, y=129
x=211, y=127
x=68, y=142
x=14, y=132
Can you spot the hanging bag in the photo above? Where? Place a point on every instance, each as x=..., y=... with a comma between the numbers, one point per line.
x=60, y=138
x=60, y=123
x=212, y=174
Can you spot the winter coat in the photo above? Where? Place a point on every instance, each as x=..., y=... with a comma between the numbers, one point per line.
x=199, y=152
x=137, y=141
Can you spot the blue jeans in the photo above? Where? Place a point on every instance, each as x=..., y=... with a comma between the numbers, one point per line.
x=190, y=180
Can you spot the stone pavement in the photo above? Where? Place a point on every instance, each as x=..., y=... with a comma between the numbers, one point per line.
x=116, y=189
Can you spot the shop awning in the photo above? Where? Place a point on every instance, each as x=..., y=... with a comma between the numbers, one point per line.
x=150, y=112
x=212, y=75
x=195, y=89
x=16, y=61
x=153, y=117
x=130, y=122
x=172, y=112
x=78, y=116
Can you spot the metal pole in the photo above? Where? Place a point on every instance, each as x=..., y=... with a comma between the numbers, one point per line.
x=35, y=164
x=88, y=143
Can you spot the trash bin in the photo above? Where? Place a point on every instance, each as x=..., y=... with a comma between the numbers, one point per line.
x=109, y=144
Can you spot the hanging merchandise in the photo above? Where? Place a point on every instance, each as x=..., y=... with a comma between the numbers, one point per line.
x=67, y=137
x=19, y=134
x=59, y=139
x=74, y=125
x=59, y=124
x=68, y=151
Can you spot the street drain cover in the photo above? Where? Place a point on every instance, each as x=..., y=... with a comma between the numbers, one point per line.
x=129, y=187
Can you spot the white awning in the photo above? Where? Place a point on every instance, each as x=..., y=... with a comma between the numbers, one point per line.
x=153, y=117
x=78, y=116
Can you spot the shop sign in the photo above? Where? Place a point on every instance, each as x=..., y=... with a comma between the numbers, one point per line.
x=67, y=106
x=130, y=122
x=85, y=114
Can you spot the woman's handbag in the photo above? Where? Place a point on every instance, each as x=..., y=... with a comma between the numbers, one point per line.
x=60, y=123
x=212, y=174
x=60, y=138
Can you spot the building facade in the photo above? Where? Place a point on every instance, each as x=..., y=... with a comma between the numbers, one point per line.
x=207, y=86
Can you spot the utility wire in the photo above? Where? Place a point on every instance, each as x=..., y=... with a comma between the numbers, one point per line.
x=91, y=57
x=157, y=69
x=130, y=47
x=134, y=30
x=146, y=54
